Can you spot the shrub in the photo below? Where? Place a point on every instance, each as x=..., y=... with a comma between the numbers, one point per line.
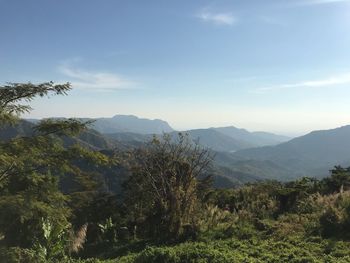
x=330, y=223
x=19, y=255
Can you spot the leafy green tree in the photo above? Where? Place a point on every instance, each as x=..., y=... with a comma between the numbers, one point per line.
x=13, y=93
x=166, y=183
x=338, y=181
x=330, y=222
x=293, y=192
x=31, y=168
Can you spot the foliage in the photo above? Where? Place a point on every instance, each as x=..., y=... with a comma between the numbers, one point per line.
x=20, y=255
x=167, y=181
x=56, y=206
x=13, y=93
x=34, y=212
x=338, y=181
x=108, y=230
x=251, y=250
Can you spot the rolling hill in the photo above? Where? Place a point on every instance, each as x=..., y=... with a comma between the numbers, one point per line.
x=310, y=155
x=210, y=138
x=125, y=123
x=217, y=141
x=252, y=138
x=89, y=138
x=238, y=156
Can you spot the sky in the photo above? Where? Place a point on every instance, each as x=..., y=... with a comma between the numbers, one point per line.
x=275, y=65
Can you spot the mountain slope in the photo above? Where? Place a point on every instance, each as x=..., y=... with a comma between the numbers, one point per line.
x=253, y=138
x=222, y=176
x=22, y=128
x=130, y=123
x=217, y=141
x=88, y=138
x=125, y=123
x=306, y=155
x=129, y=137
x=206, y=137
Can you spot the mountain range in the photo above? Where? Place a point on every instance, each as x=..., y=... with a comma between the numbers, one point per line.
x=130, y=123
x=88, y=138
x=252, y=138
x=240, y=156
x=133, y=129
x=309, y=155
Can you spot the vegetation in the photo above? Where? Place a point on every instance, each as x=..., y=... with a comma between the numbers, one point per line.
x=56, y=204
x=167, y=182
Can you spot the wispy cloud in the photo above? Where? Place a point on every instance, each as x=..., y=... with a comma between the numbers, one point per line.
x=94, y=80
x=218, y=18
x=326, y=82
x=320, y=2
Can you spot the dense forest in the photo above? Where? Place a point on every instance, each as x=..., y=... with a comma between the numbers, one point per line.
x=56, y=202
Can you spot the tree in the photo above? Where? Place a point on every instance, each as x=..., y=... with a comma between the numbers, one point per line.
x=13, y=93
x=30, y=169
x=338, y=181
x=166, y=184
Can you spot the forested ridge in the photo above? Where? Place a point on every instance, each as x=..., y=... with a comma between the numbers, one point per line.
x=58, y=201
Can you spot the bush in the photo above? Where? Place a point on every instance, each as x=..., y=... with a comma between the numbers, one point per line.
x=19, y=255
x=187, y=252
x=330, y=223
x=292, y=249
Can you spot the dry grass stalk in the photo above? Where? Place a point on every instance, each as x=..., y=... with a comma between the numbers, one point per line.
x=79, y=238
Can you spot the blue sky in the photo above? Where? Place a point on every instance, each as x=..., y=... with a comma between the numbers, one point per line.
x=273, y=65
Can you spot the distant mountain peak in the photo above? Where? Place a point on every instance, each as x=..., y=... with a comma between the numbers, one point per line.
x=131, y=123
x=126, y=123
x=125, y=116
x=134, y=117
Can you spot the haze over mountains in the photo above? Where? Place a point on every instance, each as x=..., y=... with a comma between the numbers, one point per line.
x=89, y=138
x=312, y=154
x=252, y=138
x=240, y=156
x=219, y=139
x=228, y=139
x=130, y=123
